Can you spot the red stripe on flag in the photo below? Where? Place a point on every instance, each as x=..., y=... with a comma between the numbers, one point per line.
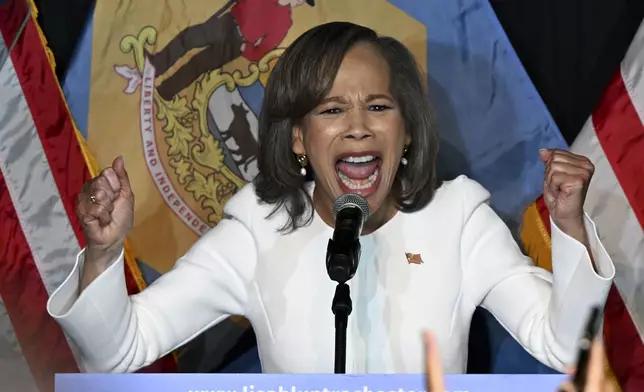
x=543, y=212
x=623, y=344
x=42, y=341
x=621, y=134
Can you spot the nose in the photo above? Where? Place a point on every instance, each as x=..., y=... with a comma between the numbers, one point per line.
x=358, y=128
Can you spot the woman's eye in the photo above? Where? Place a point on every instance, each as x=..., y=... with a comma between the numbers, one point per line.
x=378, y=108
x=332, y=111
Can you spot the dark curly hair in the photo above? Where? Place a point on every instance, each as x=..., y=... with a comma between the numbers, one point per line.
x=302, y=78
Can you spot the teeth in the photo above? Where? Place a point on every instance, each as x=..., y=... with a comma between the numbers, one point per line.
x=359, y=184
x=362, y=159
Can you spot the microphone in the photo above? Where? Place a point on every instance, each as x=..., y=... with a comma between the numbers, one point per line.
x=350, y=212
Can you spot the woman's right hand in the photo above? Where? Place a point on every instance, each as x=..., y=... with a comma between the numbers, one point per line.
x=106, y=210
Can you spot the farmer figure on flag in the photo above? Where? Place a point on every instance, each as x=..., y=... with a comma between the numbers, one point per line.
x=248, y=28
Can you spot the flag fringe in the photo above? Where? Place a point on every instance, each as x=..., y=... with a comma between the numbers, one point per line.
x=536, y=241
x=535, y=238
x=50, y=55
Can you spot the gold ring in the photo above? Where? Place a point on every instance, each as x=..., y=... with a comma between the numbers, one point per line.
x=93, y=199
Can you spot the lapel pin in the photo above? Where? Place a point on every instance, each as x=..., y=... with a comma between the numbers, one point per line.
x=414, y=258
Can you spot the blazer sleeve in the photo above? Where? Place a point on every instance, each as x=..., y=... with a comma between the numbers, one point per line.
x=544, y=312
x=116, y=333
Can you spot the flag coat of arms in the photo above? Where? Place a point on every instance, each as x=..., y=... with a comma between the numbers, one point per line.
x=189, y=95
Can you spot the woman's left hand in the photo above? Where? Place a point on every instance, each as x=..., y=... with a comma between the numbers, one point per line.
x=564, y=191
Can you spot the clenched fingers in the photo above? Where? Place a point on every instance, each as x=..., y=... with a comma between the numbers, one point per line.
x=96, y=201
x=92, y=213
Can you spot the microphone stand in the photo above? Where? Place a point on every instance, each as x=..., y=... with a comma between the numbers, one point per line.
x=341, y=308
x=342, y=258
x=342, y=263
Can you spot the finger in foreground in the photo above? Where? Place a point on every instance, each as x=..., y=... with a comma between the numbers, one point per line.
x=609, y=386
x=567, y=387
x=596, y=373
x=604, y=386
x=434, y=368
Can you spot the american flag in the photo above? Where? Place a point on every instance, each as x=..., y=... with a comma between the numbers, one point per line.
x=613, y=138
x=43, y=164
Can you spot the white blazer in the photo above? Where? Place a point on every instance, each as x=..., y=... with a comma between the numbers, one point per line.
x=279, y=282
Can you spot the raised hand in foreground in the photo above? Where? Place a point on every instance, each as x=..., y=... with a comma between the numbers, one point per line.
x=433, y=365
x=596, y=380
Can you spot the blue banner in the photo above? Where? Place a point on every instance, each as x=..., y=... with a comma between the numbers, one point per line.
x=298, y=383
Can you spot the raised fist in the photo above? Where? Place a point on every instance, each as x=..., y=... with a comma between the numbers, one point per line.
x=106, y=210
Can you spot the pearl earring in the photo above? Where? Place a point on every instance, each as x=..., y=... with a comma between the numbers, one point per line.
x=403, y=160
x=303, y=163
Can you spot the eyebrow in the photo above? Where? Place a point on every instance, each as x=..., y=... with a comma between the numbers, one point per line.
x=333, y=99
x=371, y=97
x=379, y=96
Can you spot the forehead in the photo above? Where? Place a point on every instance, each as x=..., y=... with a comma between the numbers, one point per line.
x=363, y=71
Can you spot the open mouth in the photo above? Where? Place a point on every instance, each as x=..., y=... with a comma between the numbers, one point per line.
x=359, y=173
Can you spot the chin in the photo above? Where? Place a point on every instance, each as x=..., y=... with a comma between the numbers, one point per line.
x=375, y=203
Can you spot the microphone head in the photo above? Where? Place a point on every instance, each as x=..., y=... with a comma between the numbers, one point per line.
x=351, y=200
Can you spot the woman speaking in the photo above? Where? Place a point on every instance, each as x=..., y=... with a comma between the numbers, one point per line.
x=345, y=111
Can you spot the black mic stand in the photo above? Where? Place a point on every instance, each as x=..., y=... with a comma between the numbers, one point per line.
x=341, y=307
x=342, y=263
